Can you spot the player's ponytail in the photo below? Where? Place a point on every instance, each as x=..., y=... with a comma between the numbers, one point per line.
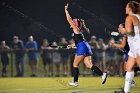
x=83, y=26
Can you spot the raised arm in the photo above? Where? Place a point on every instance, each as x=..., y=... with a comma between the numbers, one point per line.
x=69, y=19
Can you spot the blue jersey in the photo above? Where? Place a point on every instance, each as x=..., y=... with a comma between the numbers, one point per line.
x=32, y=54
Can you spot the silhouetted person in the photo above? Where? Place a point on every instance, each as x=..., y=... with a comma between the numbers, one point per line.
x=4, y=49
x=18, y=49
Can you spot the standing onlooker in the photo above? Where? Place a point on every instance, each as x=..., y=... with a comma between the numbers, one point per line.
x=120, y=57
x=72, y=55
x=94, y=45
x=32, y=48
x=18, y=49
x=46, y=57
x=56, y=58
x=111, y=58
x=64, y=56
x=4, y=49
x=101, y=54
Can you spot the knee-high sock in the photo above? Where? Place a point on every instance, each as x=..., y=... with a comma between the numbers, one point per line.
x=96, y=70
x=128, y=79
x=76, y=74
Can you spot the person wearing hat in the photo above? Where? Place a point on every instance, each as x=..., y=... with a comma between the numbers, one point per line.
x=18, y=50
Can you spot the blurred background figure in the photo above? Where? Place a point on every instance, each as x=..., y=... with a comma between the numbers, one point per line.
x=101, y=54
x=64, y=56
x=71, y=56
x=56, y=58
x=18, y=49
x=94, y=45
x=93, y=42
x=4, y=49
x=120, y=59
x=46, y=57
x=111, y=58
x=32, y=52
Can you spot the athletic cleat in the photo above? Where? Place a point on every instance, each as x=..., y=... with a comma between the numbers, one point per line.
x=73, y=84
x=133, y=83
x=104, y=77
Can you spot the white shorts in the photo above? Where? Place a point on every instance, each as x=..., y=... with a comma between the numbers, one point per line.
x=134, y=44
x=135, y=53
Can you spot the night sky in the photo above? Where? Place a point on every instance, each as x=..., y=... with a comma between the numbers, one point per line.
x=46, y=18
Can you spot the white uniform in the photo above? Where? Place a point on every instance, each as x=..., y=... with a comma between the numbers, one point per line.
x=134, y=41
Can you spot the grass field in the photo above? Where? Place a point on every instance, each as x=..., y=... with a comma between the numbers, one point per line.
x=59, y=85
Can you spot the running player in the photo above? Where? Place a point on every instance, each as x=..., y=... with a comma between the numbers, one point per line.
x=84, y=51
x=124, y=47
x=132, y=30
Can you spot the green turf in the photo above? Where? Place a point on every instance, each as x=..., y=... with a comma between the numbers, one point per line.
x=59, y=85
x=40, y=67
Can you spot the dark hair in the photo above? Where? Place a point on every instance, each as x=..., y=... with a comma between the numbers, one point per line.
x=82, y=26
x=123, y=24
x=135, y=6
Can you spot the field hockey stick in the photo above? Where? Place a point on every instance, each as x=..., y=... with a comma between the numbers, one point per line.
x=59, y=46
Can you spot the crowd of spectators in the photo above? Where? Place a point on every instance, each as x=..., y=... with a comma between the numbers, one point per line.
x=105, y=57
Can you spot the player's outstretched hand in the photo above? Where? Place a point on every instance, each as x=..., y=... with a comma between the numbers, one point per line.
x=66, y=6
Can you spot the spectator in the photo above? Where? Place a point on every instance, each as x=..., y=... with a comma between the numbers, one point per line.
x=94, y=45
x=56, y=58
x=72, y=55
x=4, y=49
x=64, y=56
x=101, y=53
x=93, y=42
x=46, y=57
x=32, y=48
x=119, y=60
x=18, y=49
x=111, y=58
